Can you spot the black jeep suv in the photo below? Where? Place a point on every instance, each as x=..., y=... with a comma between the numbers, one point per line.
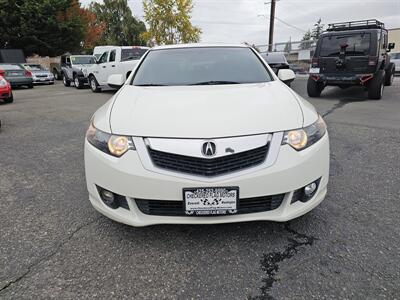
x=352, y=53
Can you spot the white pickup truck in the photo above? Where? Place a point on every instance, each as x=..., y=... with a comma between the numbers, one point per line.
x=115, y=60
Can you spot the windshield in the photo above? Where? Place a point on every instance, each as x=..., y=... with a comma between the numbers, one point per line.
x=395, y=56
x=205, y=65
x=132, y=53
x=35, y=67
x=82, y=60
x=355, y=44
x=10, y=67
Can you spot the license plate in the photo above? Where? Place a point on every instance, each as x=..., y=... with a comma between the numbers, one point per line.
x=211, y=201
x=314, y=71
x=14, y=73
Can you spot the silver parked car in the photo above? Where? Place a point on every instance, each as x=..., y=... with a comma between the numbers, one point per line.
x=39, y=74
x=395, y=58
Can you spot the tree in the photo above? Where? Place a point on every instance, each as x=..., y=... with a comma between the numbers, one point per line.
x=44, y=27
x=122, y=28
x=306, y=41
x=169, y=22
x=317, y=30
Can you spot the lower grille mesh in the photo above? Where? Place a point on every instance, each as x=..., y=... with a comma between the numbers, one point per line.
x=175, y=208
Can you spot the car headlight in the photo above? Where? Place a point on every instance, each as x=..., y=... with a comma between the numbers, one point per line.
x=3, y=82
x=303, y=138
x=115, y=145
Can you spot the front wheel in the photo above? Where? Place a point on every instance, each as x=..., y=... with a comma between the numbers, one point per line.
x=94, y=86
x=314, y=88
x=10, y=99
x=376, y=85
x=78, y=84
x=65, y=80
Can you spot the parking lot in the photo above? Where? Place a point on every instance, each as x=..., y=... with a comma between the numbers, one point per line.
x=55, y=245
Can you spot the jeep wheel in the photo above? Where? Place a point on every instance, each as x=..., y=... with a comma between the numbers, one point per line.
x=389, y=74
x=78, y=84
x=314, y=88
x=376, y=85
x=94, y=86
x=65, y=80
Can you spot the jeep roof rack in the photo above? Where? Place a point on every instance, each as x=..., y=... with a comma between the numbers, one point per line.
x=353, y=25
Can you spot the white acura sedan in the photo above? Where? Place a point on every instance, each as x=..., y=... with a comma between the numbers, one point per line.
x=204, y=134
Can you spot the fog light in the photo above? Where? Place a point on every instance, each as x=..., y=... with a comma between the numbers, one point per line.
x=310, y=189
x=107, y=197
x=111, y=199
x=305, y=193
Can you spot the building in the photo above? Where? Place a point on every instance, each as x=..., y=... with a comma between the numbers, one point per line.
x=394, y=37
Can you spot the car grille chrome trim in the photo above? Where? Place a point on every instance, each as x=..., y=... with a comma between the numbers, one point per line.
x=273, y=145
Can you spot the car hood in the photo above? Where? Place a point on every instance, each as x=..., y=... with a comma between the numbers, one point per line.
x=205, y=111
x=37, y=72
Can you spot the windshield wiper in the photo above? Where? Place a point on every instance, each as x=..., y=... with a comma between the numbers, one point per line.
x=215, y=82
x=150, y=84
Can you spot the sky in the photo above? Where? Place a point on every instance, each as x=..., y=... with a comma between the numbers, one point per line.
x=238, y=21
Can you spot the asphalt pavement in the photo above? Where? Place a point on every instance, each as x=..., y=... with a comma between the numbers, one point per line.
x=53, y=244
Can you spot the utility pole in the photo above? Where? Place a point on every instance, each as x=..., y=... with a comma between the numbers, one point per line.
x=271, y=25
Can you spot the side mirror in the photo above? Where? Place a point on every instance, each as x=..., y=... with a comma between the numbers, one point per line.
x=391, y=46
x=115, y=81
x=286, y=75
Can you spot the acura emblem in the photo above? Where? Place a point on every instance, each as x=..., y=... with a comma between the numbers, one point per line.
x=208, y=149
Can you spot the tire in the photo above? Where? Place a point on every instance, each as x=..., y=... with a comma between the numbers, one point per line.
x=30, y=86
x=389, y=74
x=314, y=88
x=56, y=74
x=94, y=86
x=78, y=84
x=65, y=80
x=376, y=85
x=9, y=100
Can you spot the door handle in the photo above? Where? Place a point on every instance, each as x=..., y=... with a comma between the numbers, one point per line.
x=113, y=66
x=104, y=67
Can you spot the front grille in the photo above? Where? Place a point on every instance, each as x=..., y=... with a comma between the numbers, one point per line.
x=41, y=76
x=176, y=208
x=209, y=167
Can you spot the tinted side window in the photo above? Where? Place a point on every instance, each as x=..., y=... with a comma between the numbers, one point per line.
x=103, y=58
x=112, y=55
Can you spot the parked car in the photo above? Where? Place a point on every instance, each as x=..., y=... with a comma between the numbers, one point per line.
x=206, y=145
x=352, y=53
x=16, y=75
x=40, y=74
x=277, y=61
x=6, y=94
x=72, y=67
x=395, y=58
x=55, y=68
x=116, y=60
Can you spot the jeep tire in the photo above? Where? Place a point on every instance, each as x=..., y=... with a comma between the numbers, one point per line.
x=65, y=80
x=376, y=85
x=94, y=86
x=314, y=88
x=78, y=84
x=389, y=74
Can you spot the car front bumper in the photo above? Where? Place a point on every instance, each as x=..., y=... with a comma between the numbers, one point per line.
x=43, y=80
x=126, y=176
x=18, y=81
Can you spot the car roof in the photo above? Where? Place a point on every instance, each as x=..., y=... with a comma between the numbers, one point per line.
x=82, y=55
x=199, y=45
